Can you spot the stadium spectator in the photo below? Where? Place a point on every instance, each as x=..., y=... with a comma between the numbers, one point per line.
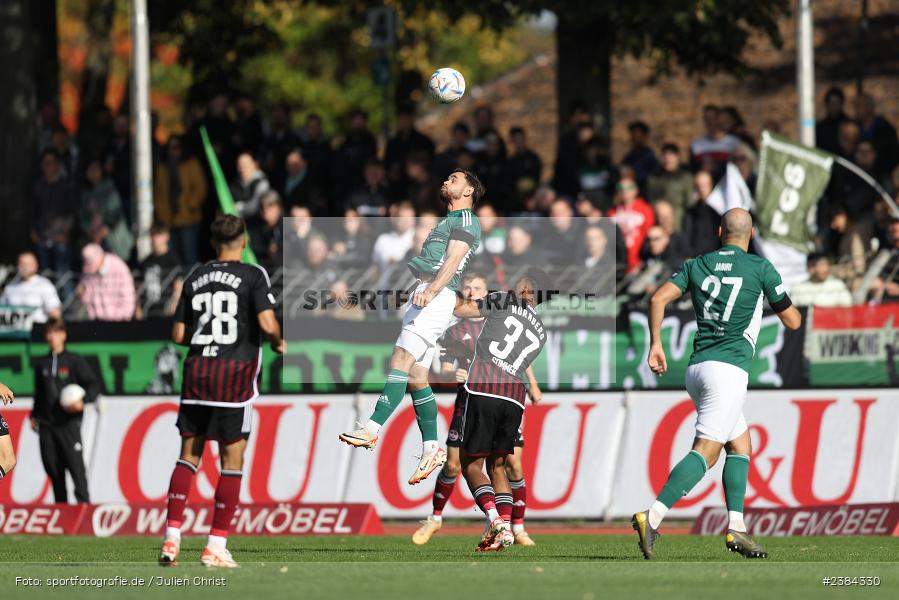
x=848, y=136
x=518, y=248
x=672, y=183
x=586, y=208
x=421, y=188
x=59, y=428
x=885, y=287
x=483, y=128
x=732, y=122
x=162, y=277
x=405, y=141
x=393, y=245
x=493, y=235
x=596, y=173
x=66, y=152
x=320, y=268
x=179, y=195
x=102, y=215
x=445, y=160
x=522, y=163
x=595, y=244
x=107, y=287
x=266, y=233
x=827, y=129
x=48, y=118
x=701, y=220
x=866, y=157
x=279, y=142
x=118, y=159
x=317, y=152
x=560, y=242
x=372, y=196
x=745, y=159
x=28, y=288
x=570, y=153
x=344, y=307
x=54, y=206
x=850, y=190
x=877, y=130
x=666, y=220
x=299, y=188
x=660, y=261
x=252, y=184
x=712, y=150
x=640, y=157
x=848, y=242
x=249, y=131
x=353, y=244
x=491, y=170
x=220, y=129
x=822, y=288
x=359, y=147
x=634, y=216
x=299, y=231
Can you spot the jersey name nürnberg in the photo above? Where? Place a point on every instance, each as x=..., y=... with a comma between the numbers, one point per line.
x=219, y=305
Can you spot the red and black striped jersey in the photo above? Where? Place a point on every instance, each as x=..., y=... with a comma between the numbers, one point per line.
x=459, y=341
x=511, y=338
x=219, y=305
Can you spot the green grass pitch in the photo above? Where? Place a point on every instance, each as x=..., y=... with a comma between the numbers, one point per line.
x=580, y=567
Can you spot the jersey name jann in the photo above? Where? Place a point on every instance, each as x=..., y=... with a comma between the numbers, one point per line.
x=726, y=267
x=222, y=277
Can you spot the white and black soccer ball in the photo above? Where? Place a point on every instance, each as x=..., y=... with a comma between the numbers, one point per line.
x=446, y=85
x=71, y=394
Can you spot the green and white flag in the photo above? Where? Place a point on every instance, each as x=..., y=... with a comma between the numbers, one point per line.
x=791, y=180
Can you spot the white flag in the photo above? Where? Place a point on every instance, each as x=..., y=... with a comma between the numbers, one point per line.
x=731, y=192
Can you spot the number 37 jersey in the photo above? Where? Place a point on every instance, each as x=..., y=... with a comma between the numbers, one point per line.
x=728, y=287
x=219, y=305
x=509, y=342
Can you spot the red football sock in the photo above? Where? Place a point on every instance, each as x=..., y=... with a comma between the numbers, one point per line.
x=504, y=506
x=485, y=498
x=442, y=492
x=519, y=499
x=179, y=487
x=227, y=495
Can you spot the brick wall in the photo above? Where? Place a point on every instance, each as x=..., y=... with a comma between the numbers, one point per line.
x=672, y=106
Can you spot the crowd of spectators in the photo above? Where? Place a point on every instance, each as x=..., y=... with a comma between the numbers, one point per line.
x=83, y=208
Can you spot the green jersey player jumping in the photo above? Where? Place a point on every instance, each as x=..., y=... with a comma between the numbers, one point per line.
x=439, y=268
x=728, y=288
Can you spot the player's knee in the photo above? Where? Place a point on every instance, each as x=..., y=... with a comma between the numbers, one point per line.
x=514, y=470
x=451, y=469
x=9, y=463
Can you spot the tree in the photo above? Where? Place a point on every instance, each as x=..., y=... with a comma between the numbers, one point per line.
x=701, y=36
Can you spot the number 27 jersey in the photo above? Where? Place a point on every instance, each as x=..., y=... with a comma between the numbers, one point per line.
x=728, y=287
x=219, y=305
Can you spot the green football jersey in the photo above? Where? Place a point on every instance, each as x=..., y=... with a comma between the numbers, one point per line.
x=727, y=287
x=460, y=225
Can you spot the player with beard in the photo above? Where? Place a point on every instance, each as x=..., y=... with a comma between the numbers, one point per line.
x=439, y=268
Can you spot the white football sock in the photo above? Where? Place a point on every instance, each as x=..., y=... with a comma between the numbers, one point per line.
x=437, y=518
x=173, y=533
x=372, y=427
x=517, y=528
x=217, y=541
x=736, y=521
x=429, y=446
x=657, y=512
x=492, y=514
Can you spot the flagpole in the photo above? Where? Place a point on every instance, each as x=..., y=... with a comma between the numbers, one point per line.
x=805, y=72
x=870, y=181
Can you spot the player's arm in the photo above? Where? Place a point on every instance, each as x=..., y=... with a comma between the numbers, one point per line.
x=665, y=295
x=270, y=327
x=88, y=379
x=534, y=391
x=780, y=302
x=455, y=251
x=179, y=330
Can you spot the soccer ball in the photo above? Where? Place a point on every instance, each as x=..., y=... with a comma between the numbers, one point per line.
x=71, y=394
x=446, y=85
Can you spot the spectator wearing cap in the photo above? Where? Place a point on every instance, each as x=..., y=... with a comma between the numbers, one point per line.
x=634, y=216
x=701, y=221
x=827, y=129
x=179, y=194
x=28, y=288
x=712, y=150
x=162, y=275
x=672, y=183
x=822, y=288
x=107, y=288
x=640, y=157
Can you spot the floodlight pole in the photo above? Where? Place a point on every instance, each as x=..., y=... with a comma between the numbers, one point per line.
x=142, y=148
x=805, y=71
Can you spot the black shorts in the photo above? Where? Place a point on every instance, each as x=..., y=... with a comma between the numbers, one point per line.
x=4, y=426
x=457, y=425
x=519, y=439
x=491, y=425
x=224, y=424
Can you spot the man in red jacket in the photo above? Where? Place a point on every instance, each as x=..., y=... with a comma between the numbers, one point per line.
x=634, y=217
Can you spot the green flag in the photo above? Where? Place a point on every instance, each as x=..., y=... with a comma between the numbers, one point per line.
x=791, y=180
x=226, y=201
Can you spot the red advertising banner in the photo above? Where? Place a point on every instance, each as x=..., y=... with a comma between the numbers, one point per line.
x=847, y=519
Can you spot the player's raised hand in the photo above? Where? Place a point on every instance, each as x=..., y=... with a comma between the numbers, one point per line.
x=6, y=394
x=657, y=361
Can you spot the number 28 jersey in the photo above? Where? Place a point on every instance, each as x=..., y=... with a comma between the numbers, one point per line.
x=219, y=305
x=727, y=288
x=511, y=339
